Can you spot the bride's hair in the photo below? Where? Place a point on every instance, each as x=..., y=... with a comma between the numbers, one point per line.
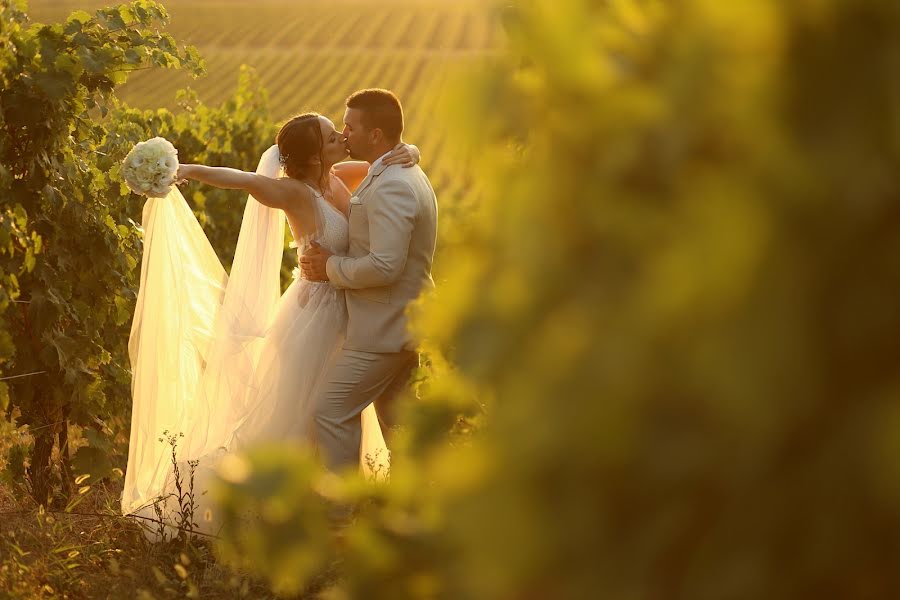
x=299, y=143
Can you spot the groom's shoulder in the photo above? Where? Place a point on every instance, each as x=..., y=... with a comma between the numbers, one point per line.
x=400, y=172
x=413, y=176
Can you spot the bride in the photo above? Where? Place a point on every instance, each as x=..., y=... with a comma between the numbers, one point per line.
x=220, y=362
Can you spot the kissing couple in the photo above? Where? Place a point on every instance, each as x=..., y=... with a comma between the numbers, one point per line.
x=221, y=362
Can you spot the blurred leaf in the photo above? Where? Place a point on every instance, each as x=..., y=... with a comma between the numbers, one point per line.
x=93, y=462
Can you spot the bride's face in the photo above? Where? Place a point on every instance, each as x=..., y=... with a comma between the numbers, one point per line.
x=335, y=148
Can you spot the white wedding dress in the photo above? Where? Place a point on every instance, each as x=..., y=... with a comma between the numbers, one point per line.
x=228, y=361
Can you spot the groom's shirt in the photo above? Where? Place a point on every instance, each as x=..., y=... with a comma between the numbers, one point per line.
x=378, y=162
x=375, y=167
x=393, y=229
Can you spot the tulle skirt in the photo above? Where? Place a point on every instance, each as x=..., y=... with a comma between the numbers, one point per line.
x=300, y=345
x=298, y=351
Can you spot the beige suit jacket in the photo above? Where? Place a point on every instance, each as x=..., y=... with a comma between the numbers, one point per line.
x=393, y=229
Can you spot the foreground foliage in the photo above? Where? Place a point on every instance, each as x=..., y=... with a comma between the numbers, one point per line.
x=676, y=303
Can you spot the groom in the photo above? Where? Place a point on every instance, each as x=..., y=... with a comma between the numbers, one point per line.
x=393, y=226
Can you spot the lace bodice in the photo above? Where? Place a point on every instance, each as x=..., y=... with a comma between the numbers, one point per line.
x=333, y=231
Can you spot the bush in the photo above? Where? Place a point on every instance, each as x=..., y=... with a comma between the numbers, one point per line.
x=69, y=235
x=675, y=307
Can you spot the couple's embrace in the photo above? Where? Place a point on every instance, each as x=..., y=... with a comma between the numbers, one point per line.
x=222, y=362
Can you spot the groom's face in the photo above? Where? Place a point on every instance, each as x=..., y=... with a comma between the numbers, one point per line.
x=358, y=142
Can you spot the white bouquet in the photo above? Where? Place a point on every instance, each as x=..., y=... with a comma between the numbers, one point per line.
x=150, y=167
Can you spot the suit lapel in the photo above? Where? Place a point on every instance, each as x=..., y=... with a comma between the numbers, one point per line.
x=369, y=179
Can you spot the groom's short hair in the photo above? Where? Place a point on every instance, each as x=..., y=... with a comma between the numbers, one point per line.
x=380, y=109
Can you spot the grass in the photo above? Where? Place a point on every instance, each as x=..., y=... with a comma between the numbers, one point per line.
x=92, y=551
x=81, y=546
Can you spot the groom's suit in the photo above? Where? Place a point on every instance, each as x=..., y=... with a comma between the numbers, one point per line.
x=393, y=228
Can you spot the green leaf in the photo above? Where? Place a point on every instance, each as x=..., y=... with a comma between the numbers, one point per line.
x=6, y=240
x=92, y=461
x=118, y=77
x=132, y=56
x=97, y=440
x=123, y=310
x=69, y=64
x=55, y=86
x=126, y=14
x=112, y=19
x=89, y=60
x=29, y=261
x=65, y=347
x=79, y=16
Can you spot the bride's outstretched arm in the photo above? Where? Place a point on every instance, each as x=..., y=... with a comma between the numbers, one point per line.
x=276, y=193
x=352, y=172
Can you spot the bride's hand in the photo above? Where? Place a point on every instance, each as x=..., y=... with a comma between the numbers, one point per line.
x=406, y=155
x=183, y=174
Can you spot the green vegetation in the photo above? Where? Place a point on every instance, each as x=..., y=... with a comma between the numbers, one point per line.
x=69, y=236
x=661, y=360
x=89, y=553
x=677, y=304
x=69, y=252
x=311, y=54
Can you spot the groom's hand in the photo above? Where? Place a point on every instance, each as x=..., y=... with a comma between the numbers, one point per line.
x=312, y=263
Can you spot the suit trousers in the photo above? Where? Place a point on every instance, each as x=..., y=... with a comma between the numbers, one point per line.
x=355, y=380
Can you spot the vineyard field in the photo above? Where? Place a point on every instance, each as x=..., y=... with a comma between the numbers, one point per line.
x=309, y=55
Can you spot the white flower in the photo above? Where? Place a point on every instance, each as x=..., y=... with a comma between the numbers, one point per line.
x=150, y=167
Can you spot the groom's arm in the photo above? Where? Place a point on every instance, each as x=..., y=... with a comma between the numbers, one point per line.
x=392, y=215
x=352, y=172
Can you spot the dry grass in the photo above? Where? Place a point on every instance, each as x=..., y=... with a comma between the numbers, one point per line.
x=93, y=552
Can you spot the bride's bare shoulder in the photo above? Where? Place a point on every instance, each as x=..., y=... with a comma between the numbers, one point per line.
x=300, y=191
x=351, y=172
